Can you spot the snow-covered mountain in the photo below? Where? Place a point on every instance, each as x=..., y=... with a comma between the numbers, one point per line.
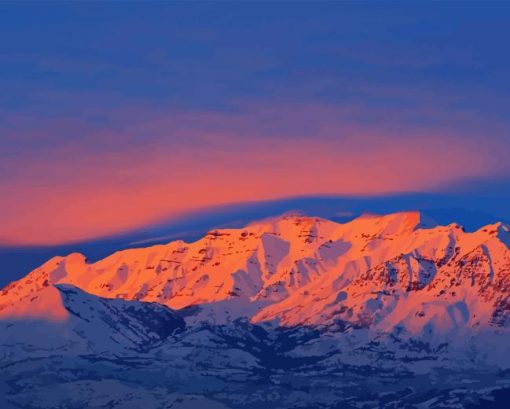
x=373, y=271
x=288, y=312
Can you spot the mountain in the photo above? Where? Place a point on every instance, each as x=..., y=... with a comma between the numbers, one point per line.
x=294, y=311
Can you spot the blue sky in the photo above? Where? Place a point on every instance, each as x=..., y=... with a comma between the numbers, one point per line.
x=208, y=55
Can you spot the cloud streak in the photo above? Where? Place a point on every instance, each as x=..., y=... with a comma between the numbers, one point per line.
x=113, y=181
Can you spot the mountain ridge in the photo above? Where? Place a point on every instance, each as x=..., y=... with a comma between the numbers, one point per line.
x=297, y=270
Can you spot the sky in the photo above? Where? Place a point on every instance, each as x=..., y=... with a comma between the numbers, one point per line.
x=116, y=117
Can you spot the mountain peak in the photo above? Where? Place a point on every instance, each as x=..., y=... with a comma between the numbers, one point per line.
x=394, y=223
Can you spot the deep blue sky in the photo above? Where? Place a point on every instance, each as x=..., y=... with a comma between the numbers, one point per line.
x=208, y=55
x=121, y=115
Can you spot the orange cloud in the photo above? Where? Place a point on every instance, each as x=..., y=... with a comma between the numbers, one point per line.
x=72, y=193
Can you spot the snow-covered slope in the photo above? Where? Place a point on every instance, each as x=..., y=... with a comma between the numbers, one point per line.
x=88, y=324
